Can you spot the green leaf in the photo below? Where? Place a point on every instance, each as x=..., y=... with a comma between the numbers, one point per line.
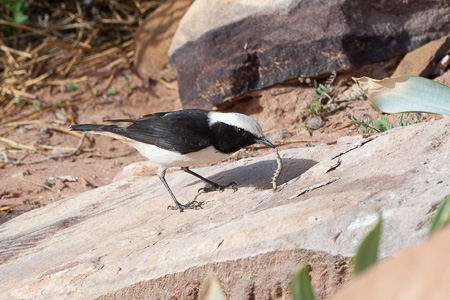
x=210, y=290
x=59, y=104
x=383, y=124
x=72, y=87
x=18, y=8
x=36, y=105
x=301, y=285
x=19, y=17
x=111, y=91
x=127, y=81
x=442, y=216
x=407, y=94
x=367, y=253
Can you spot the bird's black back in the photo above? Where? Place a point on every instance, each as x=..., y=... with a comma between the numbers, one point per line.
x=182, y=131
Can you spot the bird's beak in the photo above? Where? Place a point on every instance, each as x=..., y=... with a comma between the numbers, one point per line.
x=265, y=141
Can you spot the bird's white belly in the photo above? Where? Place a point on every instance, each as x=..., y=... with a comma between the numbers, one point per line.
x=167, y=158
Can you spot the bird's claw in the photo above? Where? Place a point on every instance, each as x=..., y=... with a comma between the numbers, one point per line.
x=217, y=187
x=191, y=205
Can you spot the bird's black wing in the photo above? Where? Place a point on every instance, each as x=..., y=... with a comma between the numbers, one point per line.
x=183, y=131
x=142, y=118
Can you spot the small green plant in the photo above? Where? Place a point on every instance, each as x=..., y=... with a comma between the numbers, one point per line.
x=368, y=125
x=404, y=121
x=72, y=87
x=15, y=10
x=442, y=216
x=367, y=253
x=359, y=95
x=310, y=145
x=382, y=124
x=111, y=91
x=18, y=100
x=36, y=105
x=323, y=99
x=301, y=285
x=325, y=102
x=321, y=91
x=59, y=104
x=127, y=82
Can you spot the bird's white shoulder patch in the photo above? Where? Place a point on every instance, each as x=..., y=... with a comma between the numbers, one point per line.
x=238, y=120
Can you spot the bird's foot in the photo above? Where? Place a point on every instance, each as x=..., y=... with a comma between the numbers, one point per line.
x=216, y=187
x=191, y=205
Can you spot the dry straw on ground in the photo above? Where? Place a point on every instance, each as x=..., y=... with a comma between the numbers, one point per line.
x=60, y=44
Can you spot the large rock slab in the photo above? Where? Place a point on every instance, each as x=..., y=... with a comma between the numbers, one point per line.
x=120, y=242
x=224, y=48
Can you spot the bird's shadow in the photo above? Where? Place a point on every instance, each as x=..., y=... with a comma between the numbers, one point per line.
x=259, y=174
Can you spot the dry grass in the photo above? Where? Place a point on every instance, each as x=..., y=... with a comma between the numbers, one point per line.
x=59, y=44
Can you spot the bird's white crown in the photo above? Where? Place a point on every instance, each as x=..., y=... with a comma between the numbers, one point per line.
x=238, y=120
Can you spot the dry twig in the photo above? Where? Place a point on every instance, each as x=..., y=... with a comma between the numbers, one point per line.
x=80, y=37
x=38, y=184
x=54, y=156
x=37, y=55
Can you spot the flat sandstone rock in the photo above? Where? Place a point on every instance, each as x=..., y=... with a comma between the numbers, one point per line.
x=120, y=242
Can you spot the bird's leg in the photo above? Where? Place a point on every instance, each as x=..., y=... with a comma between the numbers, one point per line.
x=191, y=205
x=214, y=186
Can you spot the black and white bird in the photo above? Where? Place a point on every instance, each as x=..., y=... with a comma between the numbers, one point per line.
x=185, y=138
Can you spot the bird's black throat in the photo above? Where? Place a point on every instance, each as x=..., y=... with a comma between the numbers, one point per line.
x=228, y=138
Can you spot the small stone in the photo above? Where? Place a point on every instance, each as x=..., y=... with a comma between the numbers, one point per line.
x=314, y=124
x=277, y=135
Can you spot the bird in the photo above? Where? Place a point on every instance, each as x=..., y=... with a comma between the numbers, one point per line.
x=184, y=138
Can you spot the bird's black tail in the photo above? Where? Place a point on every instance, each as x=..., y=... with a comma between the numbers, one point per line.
x=98, y=128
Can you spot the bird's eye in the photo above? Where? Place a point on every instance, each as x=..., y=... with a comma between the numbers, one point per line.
x=240, y=131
